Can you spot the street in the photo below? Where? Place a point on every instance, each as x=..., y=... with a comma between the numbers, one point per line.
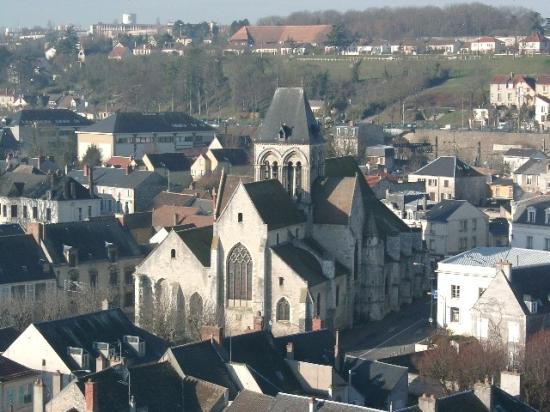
x=395, y=334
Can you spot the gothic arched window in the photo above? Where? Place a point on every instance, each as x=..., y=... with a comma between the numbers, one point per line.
x=283, y=309
x=298, y=177
x=290, y=178
x=239, y=274
x=266, y=170
x=275, y=170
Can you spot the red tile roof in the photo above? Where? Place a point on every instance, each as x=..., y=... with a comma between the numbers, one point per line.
x=543, y=79
x=533, y=38
x=280, y=34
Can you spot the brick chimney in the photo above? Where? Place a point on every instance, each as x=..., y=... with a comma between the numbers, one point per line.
x=317, y=324
x=212, y=333
x=290, y=351
x=91, y=394
x=86, y=171
x=36, y=229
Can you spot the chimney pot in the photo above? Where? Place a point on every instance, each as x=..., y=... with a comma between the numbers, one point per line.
x=290, y=351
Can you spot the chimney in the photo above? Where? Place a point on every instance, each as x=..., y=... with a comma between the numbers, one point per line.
x=317, y=324
x=91, y=181
x=482, y=391
x=38, y=396
x=128, y=169
x=511, y=382
x=427, y=403
x=290, y=351
x=258, y=322
x=86, y=171
x=111, y=251
x=72, y=189
x=337, y=356
x=40, y=162
x=57, y=383
x=91, y=395
x=133, y=407
x=105, y=304
x=312, y=404
x=101, y=362
x=506, y=267
x=36, y=229
x=176, y=219
x=214, y=333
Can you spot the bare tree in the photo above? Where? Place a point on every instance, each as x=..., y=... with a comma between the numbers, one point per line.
x=535, y=366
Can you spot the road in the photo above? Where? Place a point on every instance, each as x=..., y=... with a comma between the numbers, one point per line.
x=395, y=334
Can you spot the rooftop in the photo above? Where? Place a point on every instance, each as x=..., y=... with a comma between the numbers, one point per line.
x=442, y=211
x=302, y=262
x=447, y=166
x=58, y=117
x=115, y=177
x=40, y=186
x=490, y=256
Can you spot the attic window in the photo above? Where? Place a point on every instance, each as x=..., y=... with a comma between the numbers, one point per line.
x=173, y=253
x=531, y=215
x=239, y=217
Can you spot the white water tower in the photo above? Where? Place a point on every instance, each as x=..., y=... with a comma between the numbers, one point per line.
x=129, y=18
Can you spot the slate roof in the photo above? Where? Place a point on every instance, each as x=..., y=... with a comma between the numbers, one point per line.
x=233, y=156
x=172, y=199
x=57, y=117
x=532, y=281
x=90, y=239
x=444, y=210
x=114, y=177
x=533, y=167
x=508, y=403
x=266, y=364
x=10, y=229
x=248, y=401
x=202, y=360
x=499, y=227
x=540, y=204
x=105, y=326
x=136, y=122
x=447, y=166
x=35, y=186
x=289, y=119
x=461, y=401
x=302, y=262
x=7, y=336
x=7, y=140
x=374, y=380
x=199, y=241
x=274, y=204
x=490, y=256
x=228, y=184
x=285, y=402
x=524, y=152
x=22, y=260
x=174, y=162
x=10, y=370
x=333, y=200
x=314, y=347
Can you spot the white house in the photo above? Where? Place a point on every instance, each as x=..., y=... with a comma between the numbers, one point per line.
x=542, y=111
x=516, y=157
x=487, y=44
x=462, y=279
x=530, y=227
x=535, y=43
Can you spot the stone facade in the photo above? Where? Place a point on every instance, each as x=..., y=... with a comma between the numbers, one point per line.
x=300, y=247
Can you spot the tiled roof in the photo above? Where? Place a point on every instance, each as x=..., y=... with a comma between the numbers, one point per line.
x=172, y=199
x=289, y=119
x=22, y=260
x=490, y=256
x=533, y=167
x=7, y=336
x=199, y=241
x=40, y=186
x=269, y=35
x=443, y=210
x=57, y=117
x=202, y=360
x=274, y=204
x=314, y=347
x=540, y=204
x=534, y=37
x=499, y=227
x=266, y=364
x=136, y=122
x=8, y=140
x=447, y=166
x=285, y=402
x=533, y=282
x=114, y=177
x=235, y=157
x=10, y=229
x=228, y=184
x=105, y=326
x=524, y=152
x=90, y=239
x=175, y=162
x=461, y=401
x=333, y=199
x=248, y=401
x=302, y=262
x=10, y=370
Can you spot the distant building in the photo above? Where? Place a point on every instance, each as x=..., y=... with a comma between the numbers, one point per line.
x=134, y=134
x=487, y=45
x=542, y=112
x=119, y=52
x=530, y=227
x=352, y=139
x=533, y=176
x=516, y=157
x=513, y=90
x=448, y=177
x=232, y=160
x=380, y=158
x=444, y=46
x=535, y=43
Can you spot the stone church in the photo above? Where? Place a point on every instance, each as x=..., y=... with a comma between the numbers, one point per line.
x=302, y=244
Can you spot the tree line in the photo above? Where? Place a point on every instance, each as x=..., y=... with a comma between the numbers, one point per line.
x=398, y=23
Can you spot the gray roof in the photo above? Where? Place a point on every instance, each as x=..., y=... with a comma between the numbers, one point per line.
x=444, y=210
x=533, y=167
x=490, y=256
x=285, y=402
x=57, y=117
x=540, y=204
x=199, y=241
x=175, y=162
x=314, y=346
x=499, y=226
x=302, y=262
x=115, y=177
x=90, y=239
x=447, y=166
x=289, y=119
x=40, y=186
x=525, y=152
x=136, y=122
x=105, y=326
x=8, y=140
x=22, y=260
x=248, y=401
x=235, y=157
x=10, y=229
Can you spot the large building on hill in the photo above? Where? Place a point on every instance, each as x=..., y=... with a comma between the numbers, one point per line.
x=302, y=244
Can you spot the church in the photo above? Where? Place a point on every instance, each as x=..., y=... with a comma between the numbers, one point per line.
x=302, y=244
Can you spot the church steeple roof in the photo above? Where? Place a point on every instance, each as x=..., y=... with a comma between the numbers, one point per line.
x=289, y=119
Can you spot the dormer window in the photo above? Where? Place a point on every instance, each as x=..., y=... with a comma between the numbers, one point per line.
x=531, y=215
x=547, y=216
x=285, y=132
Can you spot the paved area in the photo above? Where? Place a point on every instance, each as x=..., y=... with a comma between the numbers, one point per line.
x=395, y=334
